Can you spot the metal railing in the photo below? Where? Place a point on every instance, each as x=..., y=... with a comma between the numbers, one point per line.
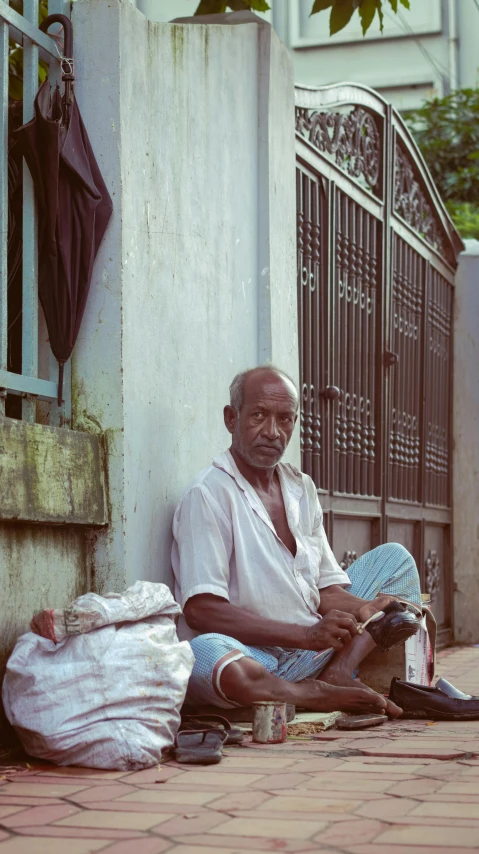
x=24, y=30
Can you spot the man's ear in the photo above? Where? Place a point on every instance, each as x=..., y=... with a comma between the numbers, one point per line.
x=230, y=416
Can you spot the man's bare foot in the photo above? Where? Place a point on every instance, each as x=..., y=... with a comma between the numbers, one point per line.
x=246, y=681
x=359, y=700
x=339, y=678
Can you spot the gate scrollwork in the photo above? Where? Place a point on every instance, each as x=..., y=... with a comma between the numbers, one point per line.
x=411, y=205
x=349, y=558
x=352, y=140
x=433, y=574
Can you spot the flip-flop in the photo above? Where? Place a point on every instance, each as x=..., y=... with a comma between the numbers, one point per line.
x=360, y=721
x=199, y=747
x=234, y=735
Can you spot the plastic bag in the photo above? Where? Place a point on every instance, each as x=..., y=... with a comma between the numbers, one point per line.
x=108, y=696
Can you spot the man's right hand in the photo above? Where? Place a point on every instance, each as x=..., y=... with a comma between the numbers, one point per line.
x=337, y=629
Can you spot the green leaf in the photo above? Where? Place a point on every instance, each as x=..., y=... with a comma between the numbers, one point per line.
x=367, y=11
x=341, y=14
x=381, y=15
x=447, y=132
x=210, y=7
x=15, y=88
x=256, y=5
x=465, y=217
x=320, y=6
x=259, y=5
x=394, y=4
x=43, y=10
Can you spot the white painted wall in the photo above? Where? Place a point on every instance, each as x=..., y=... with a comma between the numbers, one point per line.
x=466, y=446
x=193, y=127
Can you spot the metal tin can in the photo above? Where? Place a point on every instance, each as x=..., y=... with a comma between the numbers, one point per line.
x=269, y=722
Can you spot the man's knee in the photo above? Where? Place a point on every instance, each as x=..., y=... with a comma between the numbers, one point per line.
x=240, y=680
x=397, y=554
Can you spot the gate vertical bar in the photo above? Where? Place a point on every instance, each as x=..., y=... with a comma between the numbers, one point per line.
x=342, y=319
x=348, y=207
x=30, y=248
x=383, y=323
x=332, y=341
x=300, y=244
x=371, y=304
x=364, y=361
x=3, y=204
x=358, y=381
x=307, y=348
x=325, y=331
x=61, y=7
x=449, y=445
x=316, y=317
x=401, y=385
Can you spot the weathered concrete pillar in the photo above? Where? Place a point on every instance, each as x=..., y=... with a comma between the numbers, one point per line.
x=193, y=127
x=466, y=446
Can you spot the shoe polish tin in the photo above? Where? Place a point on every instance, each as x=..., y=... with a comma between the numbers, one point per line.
x=269, y=722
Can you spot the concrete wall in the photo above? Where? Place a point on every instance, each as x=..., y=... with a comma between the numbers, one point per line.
x=41, y=566
x=466, y=445
x=52, y=492
x=193, y=127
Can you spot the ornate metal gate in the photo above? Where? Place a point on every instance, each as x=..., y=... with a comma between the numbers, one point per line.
x=376, y=261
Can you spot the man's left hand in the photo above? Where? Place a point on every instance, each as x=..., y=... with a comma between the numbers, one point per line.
x=378, y=604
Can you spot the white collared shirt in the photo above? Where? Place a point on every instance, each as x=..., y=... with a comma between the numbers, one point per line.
x=225, y=544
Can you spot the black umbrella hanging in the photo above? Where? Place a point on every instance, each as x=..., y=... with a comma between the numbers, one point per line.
x=74, y=206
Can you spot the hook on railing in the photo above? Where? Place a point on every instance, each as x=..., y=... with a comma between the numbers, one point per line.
x=66, y=60
x=67, y=29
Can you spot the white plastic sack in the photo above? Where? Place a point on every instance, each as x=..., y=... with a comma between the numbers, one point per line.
x=106, y=698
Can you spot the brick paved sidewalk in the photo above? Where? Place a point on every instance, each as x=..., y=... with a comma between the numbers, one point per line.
x=406, y=787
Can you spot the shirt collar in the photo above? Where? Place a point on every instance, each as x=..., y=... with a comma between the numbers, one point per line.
x=227, y=463
x=289, y=475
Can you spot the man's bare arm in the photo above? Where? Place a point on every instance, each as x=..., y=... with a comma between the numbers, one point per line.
x=335, y=597
x=208, y=613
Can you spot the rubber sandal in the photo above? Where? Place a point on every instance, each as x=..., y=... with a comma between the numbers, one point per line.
x=400, y=622
x=234, y=735
x=199, y=747
x=240, y=714
x=360, y=721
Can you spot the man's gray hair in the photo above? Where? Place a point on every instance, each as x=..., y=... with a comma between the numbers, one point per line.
x=237, y=386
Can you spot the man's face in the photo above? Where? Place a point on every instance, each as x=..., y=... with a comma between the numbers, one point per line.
x=261, y=430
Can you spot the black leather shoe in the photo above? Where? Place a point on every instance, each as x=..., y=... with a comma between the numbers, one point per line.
x=419, y=701
x=400, y=621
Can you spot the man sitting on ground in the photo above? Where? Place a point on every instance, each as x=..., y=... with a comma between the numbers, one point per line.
x=267, y=608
